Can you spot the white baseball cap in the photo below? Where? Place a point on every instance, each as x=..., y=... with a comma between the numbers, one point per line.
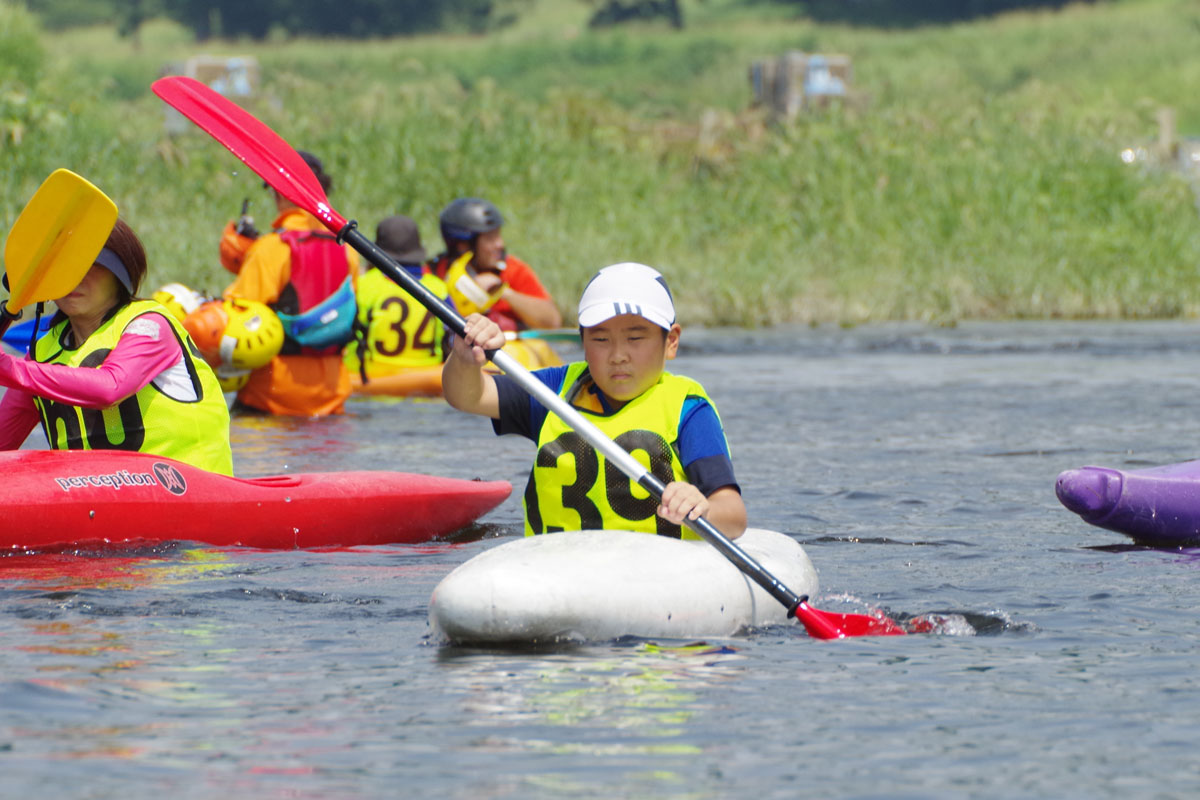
x=627, y=288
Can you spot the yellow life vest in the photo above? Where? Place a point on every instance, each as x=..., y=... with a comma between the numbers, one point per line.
x=150, y=421
x=467, y=295
x=396, y=332
x=573, y=487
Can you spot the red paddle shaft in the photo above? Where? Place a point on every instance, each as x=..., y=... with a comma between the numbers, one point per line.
x=265, y=152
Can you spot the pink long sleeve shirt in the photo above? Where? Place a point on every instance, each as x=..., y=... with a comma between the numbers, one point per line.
x=146, y=349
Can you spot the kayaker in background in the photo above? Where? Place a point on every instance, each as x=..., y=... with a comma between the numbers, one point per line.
x=116, y=373
x=307, y=278
x=394, y=332
x=482, y=277
x=627, y=323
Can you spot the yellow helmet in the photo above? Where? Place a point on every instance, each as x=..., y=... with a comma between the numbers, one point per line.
x=235, y=335
x=467, y=295
x=253, y=335
x=179, y=299
x=232, y=380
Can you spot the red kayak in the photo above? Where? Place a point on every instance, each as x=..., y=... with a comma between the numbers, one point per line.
x=51, y=499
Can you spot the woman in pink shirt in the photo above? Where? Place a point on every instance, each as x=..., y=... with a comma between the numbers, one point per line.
x=116, y=372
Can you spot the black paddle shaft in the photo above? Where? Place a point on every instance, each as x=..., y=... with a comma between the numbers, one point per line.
x=379, y=257
x=728, y=548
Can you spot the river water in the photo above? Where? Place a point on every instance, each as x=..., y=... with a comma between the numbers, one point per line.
x=915, y=464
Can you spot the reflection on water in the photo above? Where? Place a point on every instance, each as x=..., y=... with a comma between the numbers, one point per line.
x=118, y=567
x=593, y=709
x=916, y=465
x=269, y=445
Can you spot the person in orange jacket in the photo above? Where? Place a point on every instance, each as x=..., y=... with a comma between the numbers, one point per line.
x=301, y=272
x=482, y=277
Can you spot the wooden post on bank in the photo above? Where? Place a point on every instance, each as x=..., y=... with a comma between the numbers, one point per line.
x=1168, y=142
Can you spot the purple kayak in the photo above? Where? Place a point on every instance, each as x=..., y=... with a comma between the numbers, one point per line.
x=1156, y=506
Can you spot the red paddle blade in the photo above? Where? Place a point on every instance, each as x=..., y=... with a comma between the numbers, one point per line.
x=259, y=147
x=827, y=625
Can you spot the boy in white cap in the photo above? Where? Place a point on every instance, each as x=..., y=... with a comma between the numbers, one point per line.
x=627, y=323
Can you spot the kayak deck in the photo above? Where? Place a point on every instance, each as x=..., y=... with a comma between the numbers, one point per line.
x=601, y=585
x=52, y=499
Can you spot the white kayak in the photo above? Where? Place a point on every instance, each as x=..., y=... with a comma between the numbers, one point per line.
x=601, y=585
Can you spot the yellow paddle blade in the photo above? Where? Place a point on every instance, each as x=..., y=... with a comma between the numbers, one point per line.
x=56, y=239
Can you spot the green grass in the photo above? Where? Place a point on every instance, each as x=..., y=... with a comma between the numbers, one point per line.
x=975, y=174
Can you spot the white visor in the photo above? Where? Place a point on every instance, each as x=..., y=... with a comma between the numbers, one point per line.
x=627, y=288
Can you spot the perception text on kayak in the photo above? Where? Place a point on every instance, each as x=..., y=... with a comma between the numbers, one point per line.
x=114, y=480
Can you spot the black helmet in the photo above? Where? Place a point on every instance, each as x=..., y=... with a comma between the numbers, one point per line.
x=466, y=218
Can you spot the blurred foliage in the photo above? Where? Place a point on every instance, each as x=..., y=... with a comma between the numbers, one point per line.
x=59, y=14
x=915, y=12
x=974, y=170
x=22, y=54
x=616, y=12
x=257, y=19
x=22, y=62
